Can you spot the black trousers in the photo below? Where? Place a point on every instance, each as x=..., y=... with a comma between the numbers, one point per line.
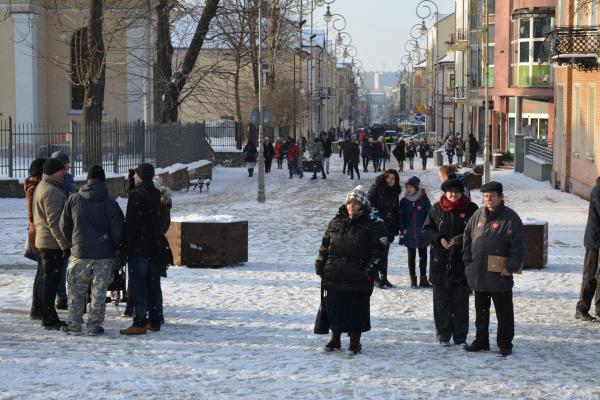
x=322, y=172
x=268, y=162
x=589, y=283
x=351, y=168
x=346, y=164
x=472, y=158
x=279, y=162
x=451, y=312
x=365, y=160
x=412, y=259
x=424, y=162
x=52, y=262
x=384, y=263
x=36, y=303
x=503, y=305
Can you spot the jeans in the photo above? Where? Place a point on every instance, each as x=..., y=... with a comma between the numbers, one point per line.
x=38, y=285
x=351, y=168
x=411, y=162
x=52, y=262
x=144, y=281
x=504, y=312
x=293, y=168
x=589, y=283
x=365, y=160
x=326, y=162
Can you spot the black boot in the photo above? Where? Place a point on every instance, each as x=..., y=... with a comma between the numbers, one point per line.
x=477, y=346
x=387, y=283
x=355, y=346
x=423, y=282
x=250, y=172
x=335, y=342
x=413, y=282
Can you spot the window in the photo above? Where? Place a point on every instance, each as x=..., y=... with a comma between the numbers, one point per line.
x=529, y=61
x=593, y=11
x=576, y=126
x=79, y=62
x=591, y=123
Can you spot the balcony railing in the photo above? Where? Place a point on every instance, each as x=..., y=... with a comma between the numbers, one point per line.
x=575, y=46
x=459, y=39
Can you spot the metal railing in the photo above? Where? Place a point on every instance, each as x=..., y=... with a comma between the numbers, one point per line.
x=577, y=46
x=118, y=146
x=539, y=151
x=458, y=36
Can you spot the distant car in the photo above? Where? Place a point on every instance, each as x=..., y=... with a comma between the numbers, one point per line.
x=390, y=136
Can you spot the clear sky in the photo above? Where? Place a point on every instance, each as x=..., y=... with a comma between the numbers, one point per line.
x=379, y=28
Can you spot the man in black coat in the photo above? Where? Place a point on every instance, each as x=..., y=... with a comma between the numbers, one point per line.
x=400, y=153
x=140, y=239
x=591, y=241
x=473, y=149
x=345, y=152
x=384, y=195
x=493, y=241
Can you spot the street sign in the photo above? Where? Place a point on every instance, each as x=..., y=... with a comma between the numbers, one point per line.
x=420, y=108
x=420, y=117
x=255, y=116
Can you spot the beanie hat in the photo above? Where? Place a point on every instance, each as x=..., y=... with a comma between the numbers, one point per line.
x=359, y=195
x=61, y=156
x=36, y=168
x=96, y=172
x=453, y=185
x=414, y=182
x=52, y=165
x=145, y=171
x=492, y=186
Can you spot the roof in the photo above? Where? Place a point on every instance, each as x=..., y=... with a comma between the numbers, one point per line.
x=446, y=59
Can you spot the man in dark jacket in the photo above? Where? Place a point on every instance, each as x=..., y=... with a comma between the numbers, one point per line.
x=591, y=241
x=384, y=195
x=473, y=149
x=141, y=236
x=93, y=223
x=493, y=241
x=365, y=152
x=327, y=143
x=345, y=150
x=400, y=153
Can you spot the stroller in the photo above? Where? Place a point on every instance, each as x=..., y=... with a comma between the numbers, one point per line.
x=118, y=287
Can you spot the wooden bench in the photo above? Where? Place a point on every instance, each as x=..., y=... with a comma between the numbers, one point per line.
x=199, y=181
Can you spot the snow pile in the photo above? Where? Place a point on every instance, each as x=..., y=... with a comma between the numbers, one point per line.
x=217, y=219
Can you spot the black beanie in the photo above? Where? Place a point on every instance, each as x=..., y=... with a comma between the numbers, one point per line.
x=36, y=168
x=52, y=165
x=414, y=182
x=453, y=185
x=96, y=172
x=145, y=171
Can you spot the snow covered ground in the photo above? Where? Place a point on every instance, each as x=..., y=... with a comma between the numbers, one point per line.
x=246, y=332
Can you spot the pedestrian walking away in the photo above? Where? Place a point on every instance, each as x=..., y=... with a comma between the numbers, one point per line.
x=444, y=228
x=493, y=250
x=317, y=153
x=349, y=257
x=460, y=149
x=365, y=151
x=384, y=195
x=424, y=150
x=345, y=153
x=279, y=153
x=400, y=153
x=414, y=207
x=354, y=160
x=293, y=157
x=250, y=153
x=268, y=153
x=590, y=289
x=92, y=222
x=327, y=147
x=53, y=248
x=411, y=152
x=473, y=149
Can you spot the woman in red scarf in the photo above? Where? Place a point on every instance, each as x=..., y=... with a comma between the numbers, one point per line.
x=444, y=227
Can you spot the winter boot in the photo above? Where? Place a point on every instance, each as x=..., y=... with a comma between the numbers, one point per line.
x=62, y=304
x=152, y=328
x=335, y=342
x=584, y=316
x=413, y=282
x=423, y=282
x=250, y=172
x=477, y=346
x=387, y=283
x=355, y=346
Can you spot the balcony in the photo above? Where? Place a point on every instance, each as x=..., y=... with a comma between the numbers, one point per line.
x=574, y=46
x=459, y=40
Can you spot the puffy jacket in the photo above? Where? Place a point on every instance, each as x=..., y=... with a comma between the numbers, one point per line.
x=30, y=185
x=250, y=152
x=387, y=201
x=317, y=152
x=278, y=149
x=141, y=221
x=411, y=150
x=293, y=153
x=350, y=253
x=412, y=217
x=498, y=233
x=327, y=147
x=354, y=154
x=399, y=151
x=424, y=150
x=269, y=151
x=591, y=239
x=48, y=203
x=92, y=222
x=447, y=265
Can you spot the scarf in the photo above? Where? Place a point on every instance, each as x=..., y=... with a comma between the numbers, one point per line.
x=417, y=196
x=460, y=205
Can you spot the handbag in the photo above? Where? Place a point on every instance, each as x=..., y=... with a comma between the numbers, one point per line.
x=322, y=320
x=28, y=253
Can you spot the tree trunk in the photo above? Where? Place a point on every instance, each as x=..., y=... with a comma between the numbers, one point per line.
x=169, y=107
x=164, y=54
x=93, y=100
x=252, y=29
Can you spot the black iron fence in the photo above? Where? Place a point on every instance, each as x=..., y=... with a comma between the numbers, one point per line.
x=118, y=146
x=577, y=46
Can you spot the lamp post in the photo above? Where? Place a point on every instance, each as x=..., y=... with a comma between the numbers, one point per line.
x=486, y=76
x=425, y=9
x=261, y=197
x=342, y=40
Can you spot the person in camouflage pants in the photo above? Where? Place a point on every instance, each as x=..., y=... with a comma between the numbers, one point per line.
x=93, y=223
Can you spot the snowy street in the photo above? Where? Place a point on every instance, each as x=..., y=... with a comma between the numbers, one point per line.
x=246, y=331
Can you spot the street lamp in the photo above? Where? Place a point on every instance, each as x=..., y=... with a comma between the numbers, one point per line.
x=261, y=196
x=486, y=76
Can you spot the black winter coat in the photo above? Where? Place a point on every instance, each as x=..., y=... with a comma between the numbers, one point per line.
x=354, y=154
x=591, y=239
x=411, y=150
x=387, y=201
x=473, y=145
x=92, y=222
x=269, y=151
x=399, y=151
x=327, y=147
x=447, y=266
x=498, y=233
x=424, y=150
x=365, y=148
x=350, y=253
x=142, y=220
x=250, y=152
x=345, y=149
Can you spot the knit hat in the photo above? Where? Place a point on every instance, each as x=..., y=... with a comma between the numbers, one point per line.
x=145, y=171
x=96, y=172
x=61, y=156
x=359, y=195
x=52, y=165
x=414, y=182
x=453, y=185
x=492, y=186
x=36, y=168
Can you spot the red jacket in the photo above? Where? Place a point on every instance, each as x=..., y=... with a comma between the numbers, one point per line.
x=293, y=153
x=278, y=149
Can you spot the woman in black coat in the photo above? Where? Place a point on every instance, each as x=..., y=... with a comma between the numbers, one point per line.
x=348, y=260
x=444, y=227
x=384, y=195
x=269, y=154
x=400, y=153
x=250, y=156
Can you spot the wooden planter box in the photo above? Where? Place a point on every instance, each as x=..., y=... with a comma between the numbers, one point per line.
x=473, y=180
x=208, y=244
x=536, y=244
